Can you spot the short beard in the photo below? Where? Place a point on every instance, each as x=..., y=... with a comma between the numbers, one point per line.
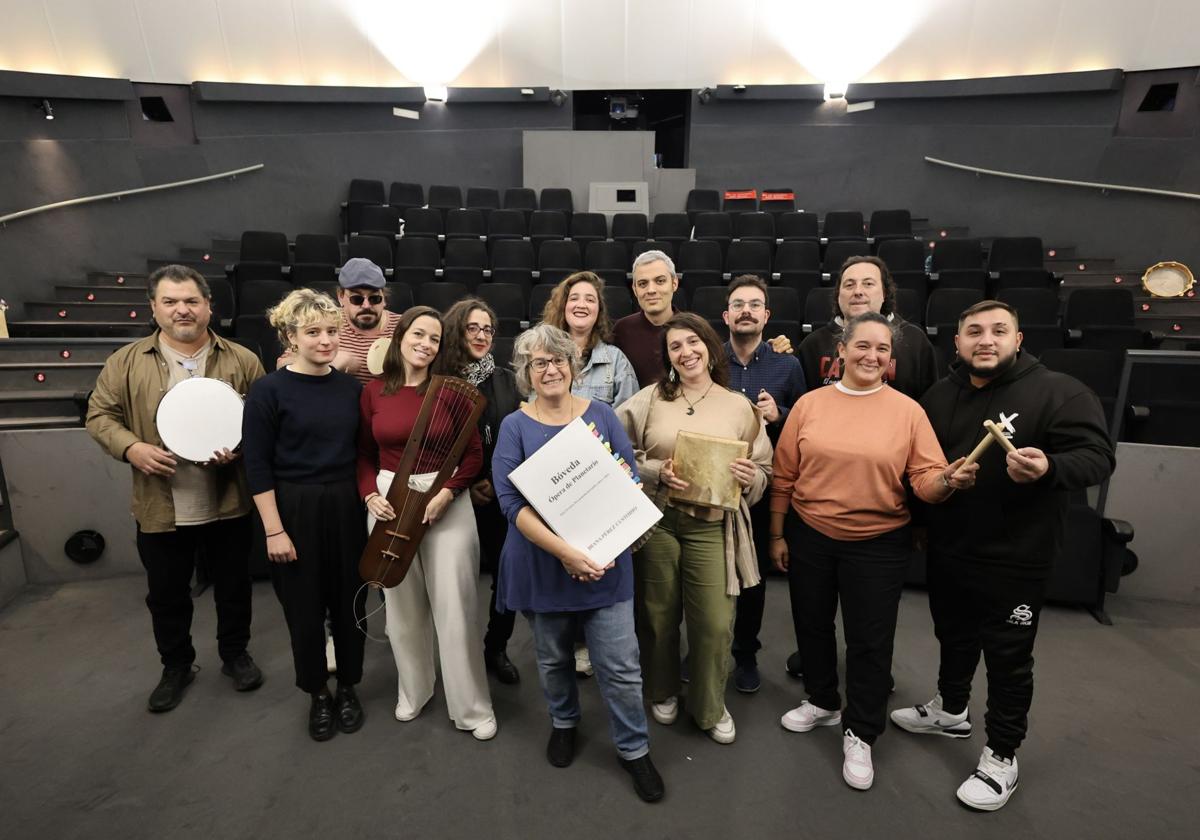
x=1002, y=367
x=362, y=326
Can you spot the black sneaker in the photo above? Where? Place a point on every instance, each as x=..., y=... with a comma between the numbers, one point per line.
x=499, y=664
x=348, y=711
x=170, y=688
x=246, y=675
x=646, y=781
x=560, y=749
x=794, y=667
x=321, y=717
x=746, y=678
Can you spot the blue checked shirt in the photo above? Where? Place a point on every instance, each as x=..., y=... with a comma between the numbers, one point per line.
x=779, y=374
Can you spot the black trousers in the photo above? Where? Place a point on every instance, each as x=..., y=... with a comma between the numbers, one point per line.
x=866, y=577
x=170, y=559
x=752, y=601
x=327, y=524
x=979, y=609
x=493, y=528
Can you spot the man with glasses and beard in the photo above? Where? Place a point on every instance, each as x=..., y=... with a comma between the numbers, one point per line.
x=365, y=319
x=991, y=546
x=773, y=382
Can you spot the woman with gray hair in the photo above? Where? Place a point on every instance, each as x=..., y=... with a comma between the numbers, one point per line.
x=552, y=582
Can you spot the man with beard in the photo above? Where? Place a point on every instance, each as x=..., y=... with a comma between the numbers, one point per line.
x=362, y=294
x=639, y=336
x=181, y=508
x=773, y=381
x=991, y=547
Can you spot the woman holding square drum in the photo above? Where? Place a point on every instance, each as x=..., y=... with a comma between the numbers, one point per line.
x=699, y=556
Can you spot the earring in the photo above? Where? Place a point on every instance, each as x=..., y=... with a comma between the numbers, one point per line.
x=671, y=375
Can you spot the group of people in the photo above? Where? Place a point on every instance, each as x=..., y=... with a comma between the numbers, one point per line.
x=850, y=441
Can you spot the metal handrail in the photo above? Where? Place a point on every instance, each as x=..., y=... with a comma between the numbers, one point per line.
x=87, y=199
x=1019, y=177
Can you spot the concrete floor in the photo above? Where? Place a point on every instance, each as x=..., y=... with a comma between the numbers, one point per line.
x=1113, y=752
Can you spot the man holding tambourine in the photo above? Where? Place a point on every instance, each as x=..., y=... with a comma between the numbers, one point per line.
x=189, y=490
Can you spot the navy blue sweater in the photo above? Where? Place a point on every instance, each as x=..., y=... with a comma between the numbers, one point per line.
x=300, y=429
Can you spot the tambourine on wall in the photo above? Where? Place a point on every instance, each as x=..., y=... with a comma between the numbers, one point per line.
x=1168, y=280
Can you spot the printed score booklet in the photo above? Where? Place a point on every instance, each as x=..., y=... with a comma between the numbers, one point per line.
x=585, y=494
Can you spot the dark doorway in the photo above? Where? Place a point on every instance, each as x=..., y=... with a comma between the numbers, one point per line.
x=665, y=112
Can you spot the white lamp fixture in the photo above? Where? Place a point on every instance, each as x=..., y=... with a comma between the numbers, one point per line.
x=436, y=93
x=835, y=90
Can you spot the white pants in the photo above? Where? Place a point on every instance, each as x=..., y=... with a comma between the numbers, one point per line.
x=439, y=594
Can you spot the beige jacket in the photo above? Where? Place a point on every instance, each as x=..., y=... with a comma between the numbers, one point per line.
x=741, y=559
x=121, y=413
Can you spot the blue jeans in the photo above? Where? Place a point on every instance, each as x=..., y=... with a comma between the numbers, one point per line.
x=612, y=644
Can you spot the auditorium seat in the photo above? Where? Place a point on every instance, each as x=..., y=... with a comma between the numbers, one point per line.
x=557, y=258
x=1038, y=338
x=749, y=258
x=1022, y=278
x=890, y=224
x=422, y=221
x=798, y=265
x=609, y=260
x=317, y=248
x=902, y=254
x=639, y=248
x=464, y=262
x=618, y=300
x=308, y=275
x=588, y=227
x=628, y=228
x=910, y=305
x=954, y=253
x=362, y=192
x=1014, y=252
x=709, y=302
x=374, y=248
x=403, y=195
x=483, y=199
x=464, y=224
x=444, y=197
x=1099, y=307
x=538, y=296
x=545, y=226
x=557, y=199
x=755, y=227
x=502, y=351
x=843, y=225
x=818, y=308
x=797, y=226
x=837, y=253
x=916, y=282
x=417, y=260
x=257, y=296
x=785, y=305
x=513, y=261
x=441, y=295
x=671, y=227
x=248, y=271
x=1100, y=370
x=700, y=262
x=946, y=305
x=507, y=224
x=508, y=299
x=1034, y=306
x=522, y=199
x=380, y=220
x=263, y=246
x=255, y=333
x=975, y=279
x=701, y=201
x=777, y=200
x=1116, y=338
x=399, y=297
x=714, y=227
x=744, y=200
x=224, y=304
x=325, y=287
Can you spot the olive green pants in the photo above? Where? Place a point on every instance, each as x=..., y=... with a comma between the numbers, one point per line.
x=680, y=573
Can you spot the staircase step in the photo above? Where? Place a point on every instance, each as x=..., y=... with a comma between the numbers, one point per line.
x=54, y=375
x=208, y=269
x=23, y=404
x=234, y=245
x=210, y=255
x=1061, y=251
x=101, y=294
x=117, y=278
x=80, y=310
x=52, y=349
x=1080, y=265
x=1168, y=324
x=1167, y=307
x=14, y=424
x=77, y=329
x=936, y=232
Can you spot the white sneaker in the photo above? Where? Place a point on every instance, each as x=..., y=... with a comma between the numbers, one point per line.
x=485, y=731
x=724, y=732
x=666, y=711
x=992, y=783
x=404, y=714
x=806, y=716
x=930, y=719
x=330, y=656
x=857, y=769
x=583, y=662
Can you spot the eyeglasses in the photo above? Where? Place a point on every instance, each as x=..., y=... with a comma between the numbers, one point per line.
x=753, y=305
x=475, y=329
x=540, y=365
x=359, y=300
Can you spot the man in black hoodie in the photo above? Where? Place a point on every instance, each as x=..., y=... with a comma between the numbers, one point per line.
x=991, y=547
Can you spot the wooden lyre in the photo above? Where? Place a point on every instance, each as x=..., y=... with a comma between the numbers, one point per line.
x=449, y=414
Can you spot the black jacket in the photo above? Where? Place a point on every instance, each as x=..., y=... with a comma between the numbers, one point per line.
x=502, y=400
x=914, y=365
x=1000, y=523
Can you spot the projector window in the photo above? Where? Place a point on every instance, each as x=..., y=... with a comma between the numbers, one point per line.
x=154, y=109
x=1160, y=98
x=626, y=196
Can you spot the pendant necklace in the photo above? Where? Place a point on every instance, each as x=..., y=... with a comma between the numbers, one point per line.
x=570, y=416
x=692, y=405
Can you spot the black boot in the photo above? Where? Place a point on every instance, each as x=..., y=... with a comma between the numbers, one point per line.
x=320, y=716
x=499, y=664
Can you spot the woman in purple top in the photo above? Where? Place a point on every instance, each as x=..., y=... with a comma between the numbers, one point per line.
x=553, y=583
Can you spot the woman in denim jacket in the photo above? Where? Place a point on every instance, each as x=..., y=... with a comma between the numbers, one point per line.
x=577, y=306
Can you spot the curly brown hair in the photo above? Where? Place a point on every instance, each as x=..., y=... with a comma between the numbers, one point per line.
x=455, y=356
x=718, y=364
x=554, y=312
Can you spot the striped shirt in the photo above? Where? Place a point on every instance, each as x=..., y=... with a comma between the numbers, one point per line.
x=356, y=342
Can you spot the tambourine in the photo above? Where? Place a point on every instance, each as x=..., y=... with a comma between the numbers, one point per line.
x=376, y=354
x=198, y=417
x=1168, y=280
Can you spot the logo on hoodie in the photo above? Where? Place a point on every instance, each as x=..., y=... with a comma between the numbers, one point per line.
x=1006, y=425
x=830, y=368
x=1021, y=616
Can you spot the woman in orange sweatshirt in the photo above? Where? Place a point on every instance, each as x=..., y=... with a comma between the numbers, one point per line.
x=839, y=511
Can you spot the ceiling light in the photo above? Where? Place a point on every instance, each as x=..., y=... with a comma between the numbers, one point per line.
x=436, y=93
x=835, y=90
x=46, y=109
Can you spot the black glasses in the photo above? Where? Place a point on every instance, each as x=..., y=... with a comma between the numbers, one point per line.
x=359, y=300
x=475, y=329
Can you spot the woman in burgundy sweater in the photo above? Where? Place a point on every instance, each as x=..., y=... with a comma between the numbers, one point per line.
x=439, y=594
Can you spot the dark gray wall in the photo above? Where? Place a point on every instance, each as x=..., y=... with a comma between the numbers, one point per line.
x=311, y=151
x=875, y=160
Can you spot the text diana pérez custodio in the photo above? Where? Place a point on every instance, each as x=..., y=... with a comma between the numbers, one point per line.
x=569, y=476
